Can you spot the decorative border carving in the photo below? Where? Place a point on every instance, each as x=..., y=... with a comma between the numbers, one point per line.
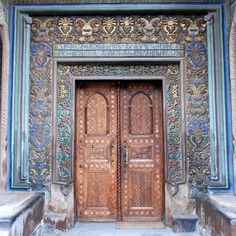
x=175, y=163
x=190, y=31
x=198, y=180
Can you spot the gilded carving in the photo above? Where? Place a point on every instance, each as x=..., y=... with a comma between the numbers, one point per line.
x=194, y=29
x=171, y=28
x=149, y=29
x=64, y=27
x=87, y=29
x=187, y=30
x=109, y=26
x=41, y=29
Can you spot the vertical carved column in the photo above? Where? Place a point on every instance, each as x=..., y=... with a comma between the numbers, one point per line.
x=212, y=109
x=217, y=102
x=118, y=156
x=20, y=101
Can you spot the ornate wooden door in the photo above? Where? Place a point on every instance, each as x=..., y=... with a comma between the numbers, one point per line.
x=96, y=158
x=142, y=158
x=103, y=125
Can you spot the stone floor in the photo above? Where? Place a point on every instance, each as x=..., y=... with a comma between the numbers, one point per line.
x=109, y=229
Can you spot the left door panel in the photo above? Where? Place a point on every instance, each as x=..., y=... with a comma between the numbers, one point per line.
x=96, y=155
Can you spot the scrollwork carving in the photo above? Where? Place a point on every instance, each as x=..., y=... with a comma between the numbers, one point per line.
x=187, y=30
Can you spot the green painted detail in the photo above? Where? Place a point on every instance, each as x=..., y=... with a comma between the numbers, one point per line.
x=217, y=111
x=106, y=1
x=20, y=103
x=129, y=8
x=121, y=8
x=211, y=88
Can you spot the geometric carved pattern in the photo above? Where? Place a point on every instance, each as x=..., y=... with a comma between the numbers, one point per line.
x=141, y=188
x=187, y=30
x=96, y=158
x=176, y=170
x=97, y=186
x=96, y=120
x=96, y=152
x=141, y=153
x=142, y=159
x=141, y=113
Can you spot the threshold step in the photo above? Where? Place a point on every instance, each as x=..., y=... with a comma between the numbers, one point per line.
x=141, y=225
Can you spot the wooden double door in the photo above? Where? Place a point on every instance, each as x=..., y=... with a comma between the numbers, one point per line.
x=119, y=151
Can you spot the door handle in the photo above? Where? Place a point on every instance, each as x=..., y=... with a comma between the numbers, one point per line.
x=126, y=154
x=111, y=153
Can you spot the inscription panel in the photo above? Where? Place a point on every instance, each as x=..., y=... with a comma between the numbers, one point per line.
x=118, y=50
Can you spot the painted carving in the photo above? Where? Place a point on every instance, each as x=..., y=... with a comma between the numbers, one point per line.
x=194, y=29
x=187, y=30
x=41, y=29
x=127, y=27
x=197, y=54
x=175, y=171
x=109, y=26
x=139, y=101
x=39, y=134
x=171, y=28
x=41, y=53
x=64, y=27
x=149, y=29
x=87, y=29
x=200, y=132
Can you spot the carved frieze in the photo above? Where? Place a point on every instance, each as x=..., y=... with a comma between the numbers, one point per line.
x=189, y=31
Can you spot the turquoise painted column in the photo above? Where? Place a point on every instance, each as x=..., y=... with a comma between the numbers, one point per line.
x=20, y=107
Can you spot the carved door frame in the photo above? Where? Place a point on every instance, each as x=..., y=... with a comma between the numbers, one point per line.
x=170, y=188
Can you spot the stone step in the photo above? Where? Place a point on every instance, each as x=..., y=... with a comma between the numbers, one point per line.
x=217, y=214
x=21, y=214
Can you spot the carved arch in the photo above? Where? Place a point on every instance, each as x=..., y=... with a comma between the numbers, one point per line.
x=96, y=115
x=140, y=112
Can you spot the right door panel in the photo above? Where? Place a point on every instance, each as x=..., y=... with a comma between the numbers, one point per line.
x=142, y=151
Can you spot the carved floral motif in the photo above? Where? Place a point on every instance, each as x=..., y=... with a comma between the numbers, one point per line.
x=176, y=162
x=187, y=30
